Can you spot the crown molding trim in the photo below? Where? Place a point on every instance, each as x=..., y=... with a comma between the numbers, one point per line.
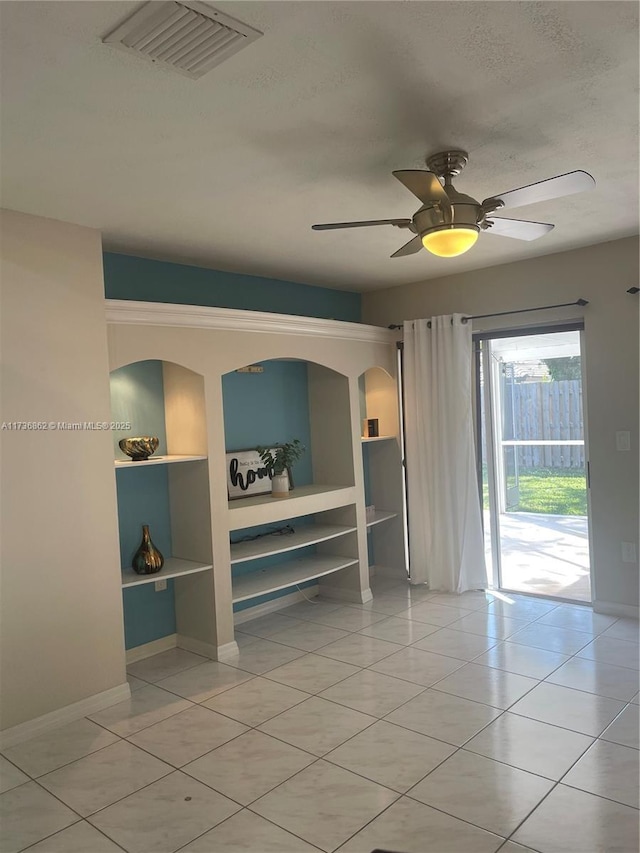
x=125, y=312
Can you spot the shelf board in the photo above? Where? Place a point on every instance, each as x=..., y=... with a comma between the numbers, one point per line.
x=173, y=568
x=381, y=516
x=156, y=460
x=268, y=545
x=287, y=574
x=303, y=500
x=366, y=440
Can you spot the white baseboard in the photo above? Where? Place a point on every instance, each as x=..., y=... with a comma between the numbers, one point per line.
x=208, y=650
x=339, y=593
x=147, y=650
x=273, y=605
x=228, y=651
x=62, y=716
x=610, y=608
x=189, y=644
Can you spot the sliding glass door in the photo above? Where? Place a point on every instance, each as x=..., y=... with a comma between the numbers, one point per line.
x=534, y=468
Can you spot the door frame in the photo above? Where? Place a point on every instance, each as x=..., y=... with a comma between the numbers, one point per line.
x=482, y=356
x=587, y=462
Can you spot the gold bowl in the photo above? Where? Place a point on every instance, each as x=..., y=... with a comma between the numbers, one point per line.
x=139, y=448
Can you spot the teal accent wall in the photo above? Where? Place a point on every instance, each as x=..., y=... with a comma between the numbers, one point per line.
x=143, y=498
x=137, y=396
x=269, y=408
x=148, y=615
x=129, y=277
x=264, y=409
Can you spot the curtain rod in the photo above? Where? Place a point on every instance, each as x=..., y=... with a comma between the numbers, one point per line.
x=505, y=313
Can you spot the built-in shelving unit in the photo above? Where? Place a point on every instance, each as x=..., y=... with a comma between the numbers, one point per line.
x=289, y=574
x=165, y=399
x=173, y=568
x=381, y=516
x=270, y=545
x=303, y=500
x=156, y=460
x=382, y=461
x=198, y=347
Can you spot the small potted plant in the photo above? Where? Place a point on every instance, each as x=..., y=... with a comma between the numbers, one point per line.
x=278, y=461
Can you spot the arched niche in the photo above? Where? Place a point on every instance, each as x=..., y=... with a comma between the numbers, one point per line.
x=169, y=493
x=379, y=400
x=160, y=398
x=293, y=398
x=383, y=471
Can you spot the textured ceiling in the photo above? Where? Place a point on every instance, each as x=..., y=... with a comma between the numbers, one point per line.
x=306, y=125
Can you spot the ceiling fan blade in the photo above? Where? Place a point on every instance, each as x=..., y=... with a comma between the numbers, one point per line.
x=562, y=185
x=329, y=226
x=425, y=186
x=520, y=229
x=409, y=248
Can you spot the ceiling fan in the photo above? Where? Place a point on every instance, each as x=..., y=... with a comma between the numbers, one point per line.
x=449, y=222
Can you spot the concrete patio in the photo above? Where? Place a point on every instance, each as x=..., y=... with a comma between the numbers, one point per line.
x=544, y=554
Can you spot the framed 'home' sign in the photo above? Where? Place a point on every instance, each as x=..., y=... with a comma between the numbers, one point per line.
x=246, y=474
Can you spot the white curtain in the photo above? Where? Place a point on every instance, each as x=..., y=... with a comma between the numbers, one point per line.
x=445, y=526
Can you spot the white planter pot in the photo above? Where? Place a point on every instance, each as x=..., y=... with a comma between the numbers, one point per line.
x=280, y=485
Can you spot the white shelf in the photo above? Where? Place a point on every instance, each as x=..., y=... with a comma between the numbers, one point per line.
x=303, y=500
x=366, y=440
x=287, y=574
x=278, y=544
x=156, y=460
x=381, y=516
x=173, y=568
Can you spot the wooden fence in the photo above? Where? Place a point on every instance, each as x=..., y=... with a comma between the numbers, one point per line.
x=548, y=411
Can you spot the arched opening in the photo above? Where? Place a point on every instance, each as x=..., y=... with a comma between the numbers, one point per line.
x=268, y=404
x=383, y=472
x=278, y=400
x=168, y=493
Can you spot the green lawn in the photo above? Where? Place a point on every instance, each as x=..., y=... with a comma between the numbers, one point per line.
x=556, y=491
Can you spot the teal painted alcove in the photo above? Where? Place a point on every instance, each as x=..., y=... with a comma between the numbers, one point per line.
x=137, y=397
x=265, y=409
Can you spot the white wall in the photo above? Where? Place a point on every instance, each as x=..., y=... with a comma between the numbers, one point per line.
x=601, y=274
x=61, y=616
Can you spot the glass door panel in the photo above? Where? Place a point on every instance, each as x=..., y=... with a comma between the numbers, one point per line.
x=534, y=464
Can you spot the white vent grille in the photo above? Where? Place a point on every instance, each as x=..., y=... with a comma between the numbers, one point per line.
x=189, y=37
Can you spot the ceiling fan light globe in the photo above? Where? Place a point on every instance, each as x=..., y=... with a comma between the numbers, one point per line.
x=449, y=241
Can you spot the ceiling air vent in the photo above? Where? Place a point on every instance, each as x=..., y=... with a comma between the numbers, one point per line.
x=189, y=37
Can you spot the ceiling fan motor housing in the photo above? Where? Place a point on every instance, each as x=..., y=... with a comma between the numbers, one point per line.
x=466, y=213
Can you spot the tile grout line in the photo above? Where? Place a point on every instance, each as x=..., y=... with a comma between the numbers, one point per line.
x=361, y=668
x=64, y=829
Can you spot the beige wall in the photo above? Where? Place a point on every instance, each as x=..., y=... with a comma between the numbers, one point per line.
x=61, y=616
x=601, y=274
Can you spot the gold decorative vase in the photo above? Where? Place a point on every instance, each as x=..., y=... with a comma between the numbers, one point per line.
x=147, y=560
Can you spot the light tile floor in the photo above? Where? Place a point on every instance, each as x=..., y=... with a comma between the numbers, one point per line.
x=436, y=724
